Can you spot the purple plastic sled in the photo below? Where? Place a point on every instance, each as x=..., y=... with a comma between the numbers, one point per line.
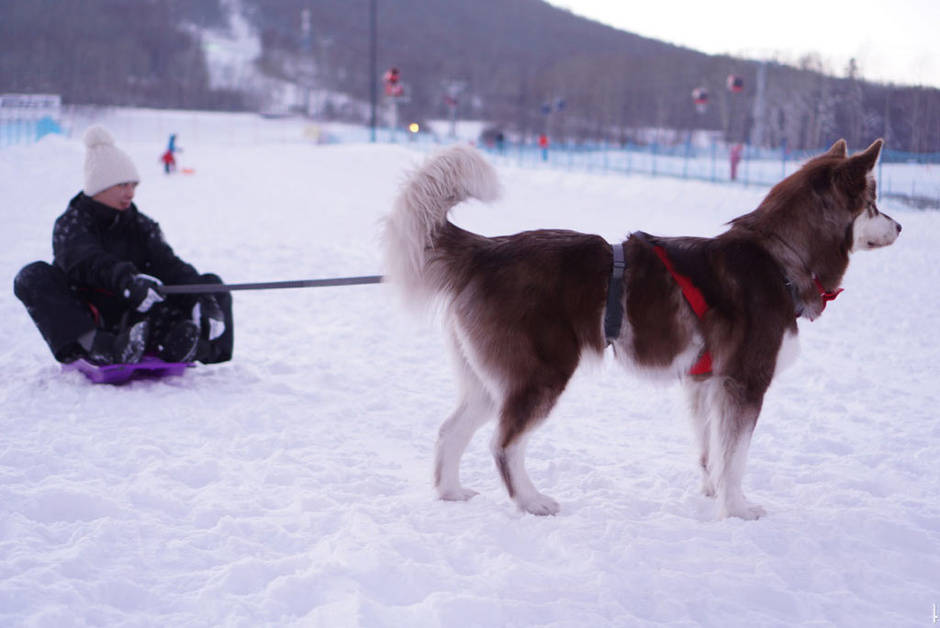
x=119, y=373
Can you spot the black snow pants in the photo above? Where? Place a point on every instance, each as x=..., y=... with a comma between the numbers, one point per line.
x=63, y=315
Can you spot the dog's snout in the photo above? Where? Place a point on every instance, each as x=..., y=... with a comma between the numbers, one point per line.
x=898, y=225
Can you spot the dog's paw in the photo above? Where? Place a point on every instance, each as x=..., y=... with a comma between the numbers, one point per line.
x=744, y=510
x=538, y=504
x=458, y=494
x=708, y=489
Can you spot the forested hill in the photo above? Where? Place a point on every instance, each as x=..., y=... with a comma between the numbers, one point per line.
x=503, y=59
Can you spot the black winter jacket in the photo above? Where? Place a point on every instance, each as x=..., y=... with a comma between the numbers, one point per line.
x=101, y=249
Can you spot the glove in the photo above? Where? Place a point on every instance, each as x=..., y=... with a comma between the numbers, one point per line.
x=141, y=292
x=208, y=315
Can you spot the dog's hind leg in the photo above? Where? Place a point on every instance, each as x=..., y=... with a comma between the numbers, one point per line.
x=734, y=416
x=474, y=408
x=522, y=411
x=698, y=393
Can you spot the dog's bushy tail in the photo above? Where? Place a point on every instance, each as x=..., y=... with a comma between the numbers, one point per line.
x=446, y=179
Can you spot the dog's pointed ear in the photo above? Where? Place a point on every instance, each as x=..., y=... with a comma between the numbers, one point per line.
x=870, y=156
x=838, y=149
x=860, y=164
x=855, y=169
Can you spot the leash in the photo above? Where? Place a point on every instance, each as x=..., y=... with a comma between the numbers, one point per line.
x=205, y=288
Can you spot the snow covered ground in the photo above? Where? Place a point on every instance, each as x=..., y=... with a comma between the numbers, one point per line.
x=292, y=486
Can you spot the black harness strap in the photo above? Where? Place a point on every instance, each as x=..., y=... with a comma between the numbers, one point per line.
x=613, y=315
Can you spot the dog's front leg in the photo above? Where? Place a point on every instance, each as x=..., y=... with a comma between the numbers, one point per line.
x=698, y=393
x=733, y=418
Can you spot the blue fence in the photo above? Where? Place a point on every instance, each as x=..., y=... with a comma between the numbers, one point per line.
x=19, y=131
x=912, y=177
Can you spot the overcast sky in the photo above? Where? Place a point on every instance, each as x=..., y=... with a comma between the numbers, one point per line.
x=892, y=41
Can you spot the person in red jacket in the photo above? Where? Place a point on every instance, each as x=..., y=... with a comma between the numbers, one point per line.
x=100, y=299
x=735, y=156
x=168, y=158
x=169, y=161
x=543, y=144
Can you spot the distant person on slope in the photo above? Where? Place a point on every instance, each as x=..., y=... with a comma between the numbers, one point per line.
x=99, y=300
x=169, y=155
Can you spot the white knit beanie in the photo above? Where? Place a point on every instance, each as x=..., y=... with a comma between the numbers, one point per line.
x=105, y=163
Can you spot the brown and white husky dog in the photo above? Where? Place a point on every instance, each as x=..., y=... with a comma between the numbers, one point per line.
x=521, y=310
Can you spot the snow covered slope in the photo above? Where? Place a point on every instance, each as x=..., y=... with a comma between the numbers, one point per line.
x=292, y=486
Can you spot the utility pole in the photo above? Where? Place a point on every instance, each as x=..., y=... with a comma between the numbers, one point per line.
x=453, y=90
x=757, y=131
x=373, y=66
x=307, y=72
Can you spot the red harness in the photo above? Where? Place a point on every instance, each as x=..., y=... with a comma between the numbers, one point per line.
x=698, y=303
x=700, y=306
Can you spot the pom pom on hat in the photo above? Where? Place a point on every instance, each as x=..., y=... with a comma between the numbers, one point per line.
x=105, y=163
x=98, y=135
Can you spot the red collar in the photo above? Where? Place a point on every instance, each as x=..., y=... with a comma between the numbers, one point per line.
x=826, y=296
x=797, y=302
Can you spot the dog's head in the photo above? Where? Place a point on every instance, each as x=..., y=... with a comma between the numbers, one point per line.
x=870, y=229
x=853, y=181
x=817, y=216
x=828, y=207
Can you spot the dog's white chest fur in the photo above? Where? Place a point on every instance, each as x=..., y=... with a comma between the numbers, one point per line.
x=788, y=353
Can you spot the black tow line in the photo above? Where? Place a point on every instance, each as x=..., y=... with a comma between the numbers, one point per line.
x=204, y=288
